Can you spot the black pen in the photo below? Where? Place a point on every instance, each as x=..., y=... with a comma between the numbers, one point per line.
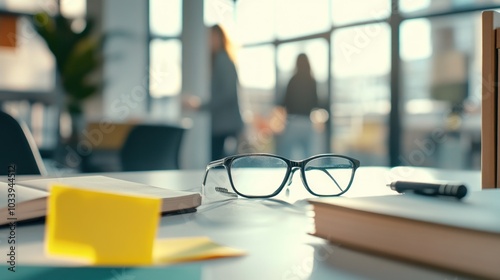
x=456, y=190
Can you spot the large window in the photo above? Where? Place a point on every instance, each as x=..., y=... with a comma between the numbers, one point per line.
x=165, y=58
x=165, y=68
x=360, y=92
x=165, y=17
x=425, y=7
x=398, y=80
x=441, y=124
x=352, y=48
x=256, y=70
x=299, y=18
x=345, y=12
x=251, y=29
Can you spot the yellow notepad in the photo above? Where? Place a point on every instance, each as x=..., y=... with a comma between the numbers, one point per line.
x=103, y=228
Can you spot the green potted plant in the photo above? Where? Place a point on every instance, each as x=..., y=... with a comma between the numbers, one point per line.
x=77, y=56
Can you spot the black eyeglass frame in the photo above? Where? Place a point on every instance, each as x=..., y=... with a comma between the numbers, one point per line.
x=292, y=165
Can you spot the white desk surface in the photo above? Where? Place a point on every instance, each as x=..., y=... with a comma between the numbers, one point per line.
x=275, y=236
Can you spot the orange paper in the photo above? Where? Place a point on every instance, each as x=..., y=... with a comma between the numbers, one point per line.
x=8, y=31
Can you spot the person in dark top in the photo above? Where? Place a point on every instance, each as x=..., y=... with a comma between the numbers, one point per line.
x=226, y=120
x=300, y=99
x=224, y=106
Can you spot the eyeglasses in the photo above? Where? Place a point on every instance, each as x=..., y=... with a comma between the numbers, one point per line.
x=265, y=175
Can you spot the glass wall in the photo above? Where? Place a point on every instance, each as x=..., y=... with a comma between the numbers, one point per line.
x=360, y=102
x=257, y=76
x=301, y=18
x=441, y=70
x=429, y=110
x=354, y=53
x=165, y=58
x=354, y=11
x=426, y=7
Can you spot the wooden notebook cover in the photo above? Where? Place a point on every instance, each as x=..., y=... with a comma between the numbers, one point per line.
x=489, y=129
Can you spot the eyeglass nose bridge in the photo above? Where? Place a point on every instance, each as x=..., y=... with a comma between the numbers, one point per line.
x=294, y=166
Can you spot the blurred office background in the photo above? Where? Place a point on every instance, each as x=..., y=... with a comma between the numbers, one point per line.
x=399, y=80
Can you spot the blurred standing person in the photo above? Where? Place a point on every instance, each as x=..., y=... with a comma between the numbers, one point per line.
x=300, y=99
x=226, y=120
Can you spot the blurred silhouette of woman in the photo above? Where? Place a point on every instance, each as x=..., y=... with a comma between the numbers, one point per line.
x=226, y=120
x=300, y=99
x=224, y=106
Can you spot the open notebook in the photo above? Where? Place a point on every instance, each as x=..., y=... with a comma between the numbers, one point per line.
x=31, y=195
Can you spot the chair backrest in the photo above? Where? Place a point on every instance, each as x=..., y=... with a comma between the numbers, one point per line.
x=490, y=115
x=18, y=147
x=152, y=147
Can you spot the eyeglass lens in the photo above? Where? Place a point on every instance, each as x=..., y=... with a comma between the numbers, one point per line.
x=328, y=175
x=263, y=175
x=258, y=175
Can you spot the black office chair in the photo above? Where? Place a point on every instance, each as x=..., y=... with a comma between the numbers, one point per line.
x=18, y=147
x=152, y=147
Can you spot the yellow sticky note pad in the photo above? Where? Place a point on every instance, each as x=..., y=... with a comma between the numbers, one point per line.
x=102, y=228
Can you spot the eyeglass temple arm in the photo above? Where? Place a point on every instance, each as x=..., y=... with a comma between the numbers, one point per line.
x=315, y=168
x=212, y=165
x=328, y=174
x=225, y=192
